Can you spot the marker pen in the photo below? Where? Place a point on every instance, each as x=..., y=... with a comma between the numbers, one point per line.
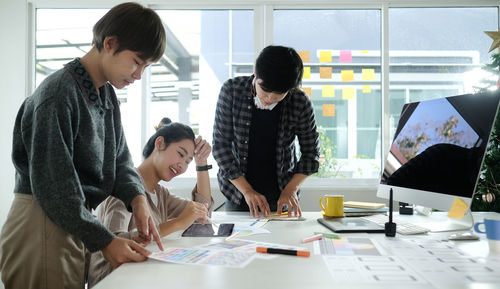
x=283, y=251
x=313, y=238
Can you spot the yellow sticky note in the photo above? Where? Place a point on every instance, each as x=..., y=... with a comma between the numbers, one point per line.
x=307, y=90
x=367, y=89
x=347, y=75
x=368, y=74
x=307, y=73
x=328, y=91
x=325, y=72
x=325, y=56
x=458, y=209
x=305, y=56
x=348, y=93
x=328, y=109
x=364, y=51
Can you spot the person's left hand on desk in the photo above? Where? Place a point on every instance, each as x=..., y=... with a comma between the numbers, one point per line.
x=289, y=198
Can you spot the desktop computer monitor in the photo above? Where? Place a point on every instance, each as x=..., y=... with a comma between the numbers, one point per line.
x=437, y=152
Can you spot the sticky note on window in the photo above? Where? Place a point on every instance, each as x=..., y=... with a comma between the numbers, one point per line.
x=364, y=51
x=325, y=72
x=327, y=91
x=367, y=89
x=305, y=56
x=307, y=73
x=458, y=209
x=345, y=56
x=325, y=56
x=307, y=91
x=368, y=74
x=348, y=93
x=328, y=109
x=347, y=75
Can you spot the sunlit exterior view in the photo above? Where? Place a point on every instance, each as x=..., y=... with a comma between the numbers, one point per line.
x=433, y=53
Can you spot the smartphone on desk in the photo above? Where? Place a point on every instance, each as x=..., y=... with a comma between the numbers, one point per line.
x=208, y=230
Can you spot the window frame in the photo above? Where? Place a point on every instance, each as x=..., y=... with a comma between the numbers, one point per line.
x=263, y=36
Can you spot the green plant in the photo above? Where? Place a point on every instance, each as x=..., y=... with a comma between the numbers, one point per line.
x=329, y=166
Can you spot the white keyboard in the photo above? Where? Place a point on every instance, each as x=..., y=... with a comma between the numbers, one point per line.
x=401, y=228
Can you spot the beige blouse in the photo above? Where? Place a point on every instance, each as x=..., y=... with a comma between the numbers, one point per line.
x=115, y=216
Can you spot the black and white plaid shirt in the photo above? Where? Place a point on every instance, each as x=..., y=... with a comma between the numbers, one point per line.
x=231, y=135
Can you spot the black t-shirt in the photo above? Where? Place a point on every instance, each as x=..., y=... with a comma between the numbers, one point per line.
x=261, y=168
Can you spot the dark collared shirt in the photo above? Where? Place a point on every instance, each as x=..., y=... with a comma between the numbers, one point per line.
x=69, y=151
x=231, y=135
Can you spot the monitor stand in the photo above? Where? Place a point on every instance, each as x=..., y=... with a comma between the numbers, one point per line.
x=442, y=223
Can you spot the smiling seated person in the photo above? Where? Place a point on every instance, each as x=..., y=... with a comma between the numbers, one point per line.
x=167, y=155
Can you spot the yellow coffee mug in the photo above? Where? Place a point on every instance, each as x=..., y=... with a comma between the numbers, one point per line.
x=333, y=205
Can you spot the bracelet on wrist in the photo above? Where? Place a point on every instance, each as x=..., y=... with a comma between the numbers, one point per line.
x=203, y=168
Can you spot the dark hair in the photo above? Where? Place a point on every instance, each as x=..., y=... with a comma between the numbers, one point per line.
x=171, y=132
x=280, y=69
x=136, y=28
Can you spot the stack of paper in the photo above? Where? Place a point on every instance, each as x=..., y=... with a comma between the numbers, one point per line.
x=355, y=209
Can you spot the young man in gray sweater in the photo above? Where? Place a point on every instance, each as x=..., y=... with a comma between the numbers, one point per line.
x=70, y=154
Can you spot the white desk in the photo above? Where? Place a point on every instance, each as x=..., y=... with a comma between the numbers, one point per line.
x=281, y=272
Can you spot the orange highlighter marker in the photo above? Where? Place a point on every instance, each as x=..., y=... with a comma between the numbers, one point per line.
x=283, y=251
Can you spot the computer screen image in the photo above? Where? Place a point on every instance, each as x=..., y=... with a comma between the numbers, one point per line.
x=438, y=149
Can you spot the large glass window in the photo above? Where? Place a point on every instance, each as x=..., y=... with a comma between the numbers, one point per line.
x=433, y=52
x=436, y=52
x=64, y=34
x=341, y=54
x=204, y=48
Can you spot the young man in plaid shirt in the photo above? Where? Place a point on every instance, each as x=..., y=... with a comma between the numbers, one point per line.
x=257, y=120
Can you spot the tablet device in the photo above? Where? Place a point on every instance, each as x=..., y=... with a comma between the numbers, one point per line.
x=208, y=230
x=351, y=225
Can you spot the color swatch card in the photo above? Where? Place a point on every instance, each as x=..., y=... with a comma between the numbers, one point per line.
x=195, y=256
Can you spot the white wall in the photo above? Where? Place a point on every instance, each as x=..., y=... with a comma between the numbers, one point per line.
x=13, y=60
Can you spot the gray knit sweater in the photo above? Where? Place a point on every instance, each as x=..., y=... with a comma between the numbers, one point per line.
x=69, y=151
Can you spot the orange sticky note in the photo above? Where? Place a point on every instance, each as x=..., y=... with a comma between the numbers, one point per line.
x=325, y=72
x=367, y=89
x=325, y=56
x=458, y=209
x=347, y=75
x=305, y=56
x=328, y=109
x=327, y=91
x=307, y=90
x=348, y=93
x=307, y=72
x=368, y=74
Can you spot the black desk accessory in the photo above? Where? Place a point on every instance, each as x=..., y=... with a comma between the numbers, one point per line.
x=390, y=227
x=405, y=208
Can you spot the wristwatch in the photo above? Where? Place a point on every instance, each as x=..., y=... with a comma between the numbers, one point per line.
x=203, y=168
